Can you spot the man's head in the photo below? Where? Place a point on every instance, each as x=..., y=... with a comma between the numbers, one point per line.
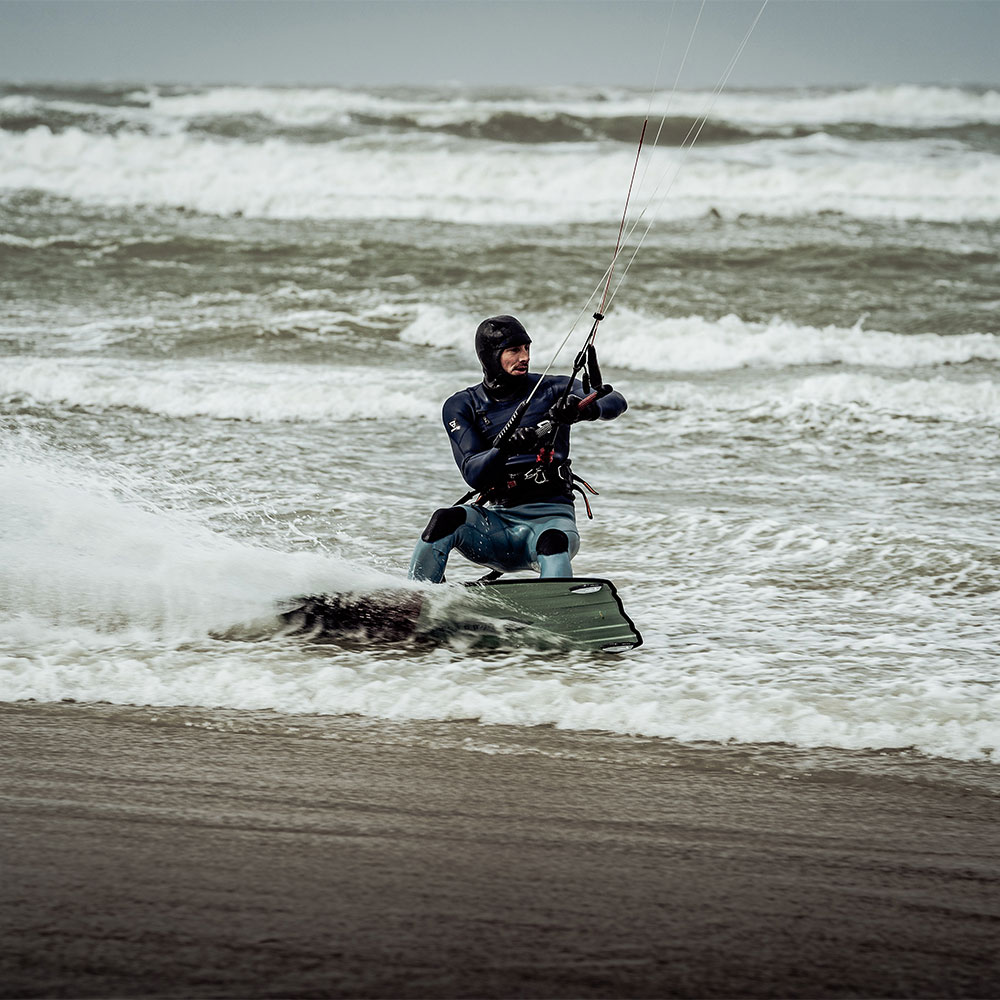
x=502, y=346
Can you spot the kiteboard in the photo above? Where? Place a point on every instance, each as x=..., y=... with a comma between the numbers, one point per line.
x=578, y=612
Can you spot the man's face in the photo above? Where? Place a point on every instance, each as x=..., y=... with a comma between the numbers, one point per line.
x=514, y=360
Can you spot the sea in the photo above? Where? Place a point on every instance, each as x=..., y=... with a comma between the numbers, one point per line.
x=230, y=315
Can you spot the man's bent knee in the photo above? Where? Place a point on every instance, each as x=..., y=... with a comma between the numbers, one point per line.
x=552, y=542
x=443, y=522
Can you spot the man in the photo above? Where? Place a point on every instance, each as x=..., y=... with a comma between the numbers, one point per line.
x=524, y=517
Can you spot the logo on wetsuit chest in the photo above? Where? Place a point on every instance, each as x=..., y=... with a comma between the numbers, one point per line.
x=453, y=426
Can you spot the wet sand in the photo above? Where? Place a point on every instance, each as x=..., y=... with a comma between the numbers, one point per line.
x=148, y=860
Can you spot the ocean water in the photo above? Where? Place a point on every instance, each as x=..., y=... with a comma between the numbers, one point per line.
x=229, y=317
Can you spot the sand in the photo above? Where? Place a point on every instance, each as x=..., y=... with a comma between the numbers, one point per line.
x=148, y=859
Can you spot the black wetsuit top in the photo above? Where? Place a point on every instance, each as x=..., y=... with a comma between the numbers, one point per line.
x=474, y=417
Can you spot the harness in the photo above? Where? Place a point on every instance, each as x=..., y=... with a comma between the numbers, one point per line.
x=533, y=484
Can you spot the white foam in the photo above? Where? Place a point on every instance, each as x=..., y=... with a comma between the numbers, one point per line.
x=704, y=695
x=440, y=328
x=962, y=401
x=291, y=106
x=692, y=343
x=902, y=105
x=109, y=114
x=641, y=342
x=226, y=390
x=106, y=596
x=456, y=181
x=630, y=340
x=967, y=401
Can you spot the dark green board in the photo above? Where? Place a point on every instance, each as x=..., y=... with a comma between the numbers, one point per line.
x=581, y=612
x=585, y=611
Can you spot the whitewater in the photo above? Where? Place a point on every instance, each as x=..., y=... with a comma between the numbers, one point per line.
x=230, y=317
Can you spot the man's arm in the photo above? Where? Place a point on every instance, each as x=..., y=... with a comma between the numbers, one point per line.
x=479, y=462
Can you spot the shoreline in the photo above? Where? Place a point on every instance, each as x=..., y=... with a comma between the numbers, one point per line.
x=163, y=860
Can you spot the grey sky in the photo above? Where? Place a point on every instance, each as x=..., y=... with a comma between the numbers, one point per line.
x=501, y=42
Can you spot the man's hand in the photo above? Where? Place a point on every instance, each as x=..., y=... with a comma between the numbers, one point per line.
x=528, y=438
x=567, y=411
x=524, y=438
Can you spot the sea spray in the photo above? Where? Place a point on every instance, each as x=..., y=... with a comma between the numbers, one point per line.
x=80, y=548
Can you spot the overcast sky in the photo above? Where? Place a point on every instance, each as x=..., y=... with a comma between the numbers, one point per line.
x=498, y=42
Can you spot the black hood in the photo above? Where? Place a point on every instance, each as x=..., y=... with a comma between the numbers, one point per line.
x=493, y=337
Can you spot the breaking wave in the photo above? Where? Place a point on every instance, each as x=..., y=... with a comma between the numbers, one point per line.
x=224, y=390
x=638, y=342
x=694, y=343
x=263, y=392
x=533, y=158
x=539, y=115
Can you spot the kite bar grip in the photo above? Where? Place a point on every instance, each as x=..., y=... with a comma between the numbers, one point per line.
x=593, y=397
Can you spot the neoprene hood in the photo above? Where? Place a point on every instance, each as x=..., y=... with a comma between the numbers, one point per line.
x=493, y=337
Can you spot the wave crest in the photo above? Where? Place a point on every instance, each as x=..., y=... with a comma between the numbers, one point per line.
x=434, y=179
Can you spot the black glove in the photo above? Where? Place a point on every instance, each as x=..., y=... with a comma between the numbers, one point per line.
x=567, y=411
x=524, y=438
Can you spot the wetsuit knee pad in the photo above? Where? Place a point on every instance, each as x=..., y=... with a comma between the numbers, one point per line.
x=443, y=522
x=552, y=542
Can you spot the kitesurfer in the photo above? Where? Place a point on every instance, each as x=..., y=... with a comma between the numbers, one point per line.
x=523, y=517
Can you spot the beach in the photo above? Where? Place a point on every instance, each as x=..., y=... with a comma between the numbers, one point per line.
x=149, y=855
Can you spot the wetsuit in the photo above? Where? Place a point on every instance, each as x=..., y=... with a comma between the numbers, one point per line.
x=524, y=517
